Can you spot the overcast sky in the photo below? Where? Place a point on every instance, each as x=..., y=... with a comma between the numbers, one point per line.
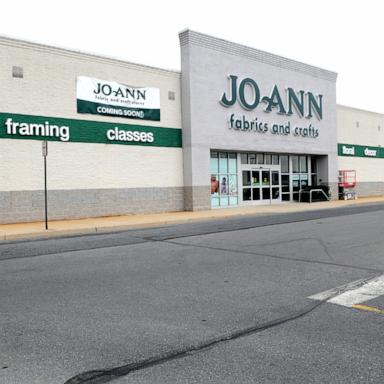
x=345, y=36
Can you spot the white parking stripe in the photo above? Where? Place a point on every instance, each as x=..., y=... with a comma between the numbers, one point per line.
x=353, y=293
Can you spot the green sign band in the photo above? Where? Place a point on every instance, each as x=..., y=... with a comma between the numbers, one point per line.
x=29, y=127
x=84, y=106
x=352, y=150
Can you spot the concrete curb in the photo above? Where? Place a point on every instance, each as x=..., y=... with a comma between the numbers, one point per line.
x=151, y=221
x=53, y=233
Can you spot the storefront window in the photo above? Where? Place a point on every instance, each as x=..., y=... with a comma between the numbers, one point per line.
x=314, y=170
x=224, y=179
x=303, y=181
x=303, y=164
x=251, y=158
x=284, y=164
x=265, y=180
x=285, y=183
x=214, y=184
x=223, y=185
x=295, y=164
x=223, y=201
x=232, y=163
x=275, y=178
x=296, y=186
x=255, y=178
x=214, y=162
x=260, y=158
x=246, y=178
x=244, y=158
x=246, y=194
x=223, y=162
x=215, y=202
x=313, y=164
x=232, y=185
x=296, y=172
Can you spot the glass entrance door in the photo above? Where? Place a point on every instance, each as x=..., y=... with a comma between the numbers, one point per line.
x=275, y=185
x=266, y=184
x=260, y=185
x=251, y=185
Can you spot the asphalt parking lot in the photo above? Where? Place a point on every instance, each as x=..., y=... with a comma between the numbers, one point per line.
x=213, y=302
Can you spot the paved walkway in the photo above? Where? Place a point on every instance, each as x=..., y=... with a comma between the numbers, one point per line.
x=115, y=223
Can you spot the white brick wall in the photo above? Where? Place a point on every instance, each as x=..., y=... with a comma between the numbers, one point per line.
x=355, y=126
x=367, y=170
x=88, y=166
x=49, y=89
x=49, y=83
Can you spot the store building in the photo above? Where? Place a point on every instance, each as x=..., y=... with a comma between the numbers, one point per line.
x=237, y=126
x=260, y=123
x=360, y=138
x=76, y=102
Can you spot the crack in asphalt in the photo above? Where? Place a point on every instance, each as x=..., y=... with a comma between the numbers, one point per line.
x=319, y=241
x=170, y=241
x=109, y=374
x=103, y=376
x=362, y=268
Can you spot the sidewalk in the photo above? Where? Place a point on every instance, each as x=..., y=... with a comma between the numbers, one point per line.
x=116, y=223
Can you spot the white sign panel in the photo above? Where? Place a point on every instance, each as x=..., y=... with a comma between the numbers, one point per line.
x=109, y=98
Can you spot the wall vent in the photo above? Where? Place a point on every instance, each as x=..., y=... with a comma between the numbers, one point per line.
x=17, y=72
x=171, y=95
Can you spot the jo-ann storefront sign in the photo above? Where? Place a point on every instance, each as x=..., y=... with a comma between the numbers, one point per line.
x=28, y=127
x=360, y=151
x=108, y=98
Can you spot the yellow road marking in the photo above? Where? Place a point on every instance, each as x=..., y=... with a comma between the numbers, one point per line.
x=368, y=308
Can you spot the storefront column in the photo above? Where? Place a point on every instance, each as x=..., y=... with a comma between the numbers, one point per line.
x=327, y=173
x=196, y=155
